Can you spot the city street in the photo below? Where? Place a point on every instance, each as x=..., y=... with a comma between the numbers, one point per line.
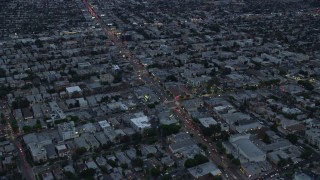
x=140, y=71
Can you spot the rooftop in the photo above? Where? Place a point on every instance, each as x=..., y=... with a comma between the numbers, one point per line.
x=204, y=169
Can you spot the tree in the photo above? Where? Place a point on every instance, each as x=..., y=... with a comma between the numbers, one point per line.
x=265, y=138
x=307, y=152
x=155, y=172
x=81, y=151
x=74, y=118
x=137, y=162
x=2, y=73
x=170, y=129
x=3, y=121
x=171, y=78
x=211, y=130
x=20, y=103
x=306, y=84
x=149, y=132
x=152, y=106
x=125, y=139
x=117, y=78
x=230, y=156
x=236, y=162
x=198, y=159
x=274, y=127
x=27, y=129
x=14, y=125
x=203, y=147
x=226, y=71
x=70, y=175
x=112, y=163
x=38, y=43
x=124, y=166
x=282, y=162
x=214, y=27
x=292, y=138
x=87, y=173
x=212, y=72
x=4, y=90
x=136, y=137
x=224, y=135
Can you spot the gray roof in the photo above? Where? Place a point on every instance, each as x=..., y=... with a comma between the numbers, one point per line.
x=204, y=169
x=100, y=136
x=182, y=144
x=123, y=159
x=30, y=138
x=131, y=153
x=276, y=146
x=51, y=152
x=248, y=148
x=80, y=142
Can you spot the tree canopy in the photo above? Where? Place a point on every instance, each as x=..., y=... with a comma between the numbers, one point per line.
x=197, y=160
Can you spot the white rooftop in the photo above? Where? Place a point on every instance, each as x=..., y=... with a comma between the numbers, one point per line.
x=141, y=122
x=104, y=124
x=207, y=121
x=61, y=147
x=73, y=89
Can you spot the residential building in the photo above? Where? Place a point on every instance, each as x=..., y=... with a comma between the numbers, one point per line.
x=67, y=130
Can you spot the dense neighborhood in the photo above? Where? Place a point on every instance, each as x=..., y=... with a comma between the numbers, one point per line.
x=160, y=89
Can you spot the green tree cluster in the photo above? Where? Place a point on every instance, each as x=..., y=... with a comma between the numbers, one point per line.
x=197, y=160
x=306, y=84
x=170, y=129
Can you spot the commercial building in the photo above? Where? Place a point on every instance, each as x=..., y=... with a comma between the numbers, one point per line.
x=207, y=121
x=205, y=171
x=245, y=150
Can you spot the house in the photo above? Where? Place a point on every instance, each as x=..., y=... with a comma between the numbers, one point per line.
x=131, y=153
x=104, y=124
x=62, y=150
x=192, y=104
x=47, y=175
x=101, y=161
x=198, y=81
x=167, y=161
x=91, y=164
x=18, y=114
x=36, y=108
x=251, y=170
x=88, y=128
x=313, y=136
x=101, y=137
x=207, y=121
x=188, y=148
x=123, y=159
x=111, y=134
x=51, y=152
x=148, y=149
x=73, y=89
x=140, y=123
x=80, y=142
x=106, y=78
x=91, y=140
x=67, y=130
x=57, y=112
x=27, y=113
x=38, y=152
